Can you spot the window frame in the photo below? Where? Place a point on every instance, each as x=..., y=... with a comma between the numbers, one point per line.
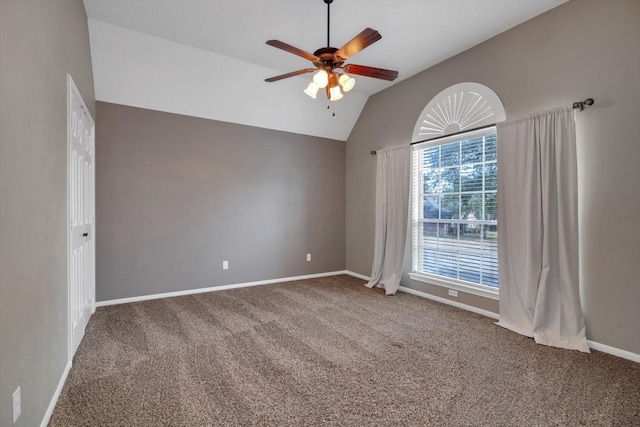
x=417, y=213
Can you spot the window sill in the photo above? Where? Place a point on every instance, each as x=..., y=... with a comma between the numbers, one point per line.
x=483, y=291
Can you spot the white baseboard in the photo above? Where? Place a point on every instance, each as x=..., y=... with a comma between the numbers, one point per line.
x=359, y=276
x=449, y=302
x=56, y=395
x=634, y=357
x=433, y=297
x=216, y=288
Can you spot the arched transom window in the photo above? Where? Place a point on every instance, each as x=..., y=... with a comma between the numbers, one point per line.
x=458, y=108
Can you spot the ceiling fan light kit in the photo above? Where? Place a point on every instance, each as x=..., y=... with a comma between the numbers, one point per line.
x=312, y=90
x=335, y=93
x=346, y=82
x=331, y=72
x=321, y=79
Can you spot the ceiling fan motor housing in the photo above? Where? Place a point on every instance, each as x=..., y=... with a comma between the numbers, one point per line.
x=327, y=59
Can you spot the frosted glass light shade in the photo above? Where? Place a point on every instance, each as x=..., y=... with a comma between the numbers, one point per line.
x=335, y=93
x=312, y=90
x=321, y=78
x=347, y=82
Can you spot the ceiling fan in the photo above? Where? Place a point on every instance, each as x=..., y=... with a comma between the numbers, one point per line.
x=328, y=60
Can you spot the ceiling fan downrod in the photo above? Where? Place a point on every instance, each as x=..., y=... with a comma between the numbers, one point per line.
x=328, y=2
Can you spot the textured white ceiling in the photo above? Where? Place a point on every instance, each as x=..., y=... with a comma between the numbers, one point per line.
x=208, y=58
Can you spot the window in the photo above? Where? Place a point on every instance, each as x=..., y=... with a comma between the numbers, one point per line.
x=455, y=221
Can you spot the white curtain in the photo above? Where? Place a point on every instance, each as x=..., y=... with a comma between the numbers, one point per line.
x=538, y=231
x=392, y=209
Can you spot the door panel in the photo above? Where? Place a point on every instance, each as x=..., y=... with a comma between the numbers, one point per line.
x=81, y=217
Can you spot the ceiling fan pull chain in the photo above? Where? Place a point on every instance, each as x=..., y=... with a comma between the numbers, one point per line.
x=333, y=113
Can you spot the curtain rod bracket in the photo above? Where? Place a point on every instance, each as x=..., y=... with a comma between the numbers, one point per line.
x=581, y=104
x=374, y=152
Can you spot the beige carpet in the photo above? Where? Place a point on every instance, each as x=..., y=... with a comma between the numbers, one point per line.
x=330, y=352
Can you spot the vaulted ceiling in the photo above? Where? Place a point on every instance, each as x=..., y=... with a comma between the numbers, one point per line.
x=208, y=58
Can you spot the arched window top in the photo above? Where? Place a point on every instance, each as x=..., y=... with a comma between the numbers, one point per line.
x=464, y=106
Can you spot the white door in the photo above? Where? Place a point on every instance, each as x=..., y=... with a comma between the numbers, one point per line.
x=81, y=195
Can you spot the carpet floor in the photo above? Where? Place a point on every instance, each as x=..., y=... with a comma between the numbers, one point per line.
x=330, y=352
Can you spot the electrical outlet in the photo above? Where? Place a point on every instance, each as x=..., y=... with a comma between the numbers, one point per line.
x=308, y=257
x=17, y=404
x=225, y=265
x=453, y=293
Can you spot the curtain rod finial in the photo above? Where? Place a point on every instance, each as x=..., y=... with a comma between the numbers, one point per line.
x=581, y=104
x=373, y=152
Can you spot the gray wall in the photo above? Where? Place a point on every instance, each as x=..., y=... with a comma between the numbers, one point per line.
x=177, y=195
x=40, y=42
x=581, y=49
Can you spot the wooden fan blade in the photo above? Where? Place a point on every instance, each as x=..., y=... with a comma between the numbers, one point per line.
x=376, y=73
x=366, y=38
x=291, y=49
x=291, y=74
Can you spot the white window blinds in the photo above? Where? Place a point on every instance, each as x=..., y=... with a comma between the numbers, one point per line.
x=455, y=223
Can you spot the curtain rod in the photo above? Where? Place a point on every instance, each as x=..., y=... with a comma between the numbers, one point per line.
x=578, y=105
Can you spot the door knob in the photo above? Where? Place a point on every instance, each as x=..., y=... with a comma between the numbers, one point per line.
x=85, y=234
